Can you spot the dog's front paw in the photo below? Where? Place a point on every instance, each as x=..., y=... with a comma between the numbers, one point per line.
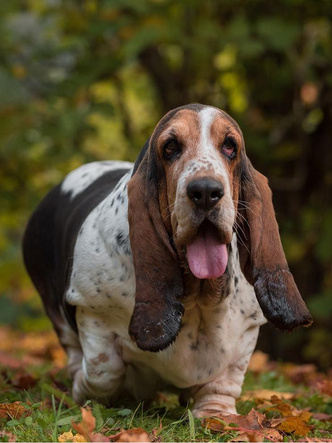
x=80, y=391
x=208, y=413
x=212, y=405
x=83, y=390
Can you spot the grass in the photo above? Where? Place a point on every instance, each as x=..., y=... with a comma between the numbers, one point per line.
x=49, y=410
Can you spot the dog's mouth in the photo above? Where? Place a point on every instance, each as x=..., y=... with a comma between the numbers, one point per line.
x=207, y=252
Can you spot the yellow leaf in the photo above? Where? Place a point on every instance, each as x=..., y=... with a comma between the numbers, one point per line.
x=79, y=438
x=66, y=436
x=69, y=436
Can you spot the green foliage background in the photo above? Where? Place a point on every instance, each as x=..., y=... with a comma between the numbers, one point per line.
x=84, y=80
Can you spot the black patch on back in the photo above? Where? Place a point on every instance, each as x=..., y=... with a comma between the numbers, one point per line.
x=50, y=238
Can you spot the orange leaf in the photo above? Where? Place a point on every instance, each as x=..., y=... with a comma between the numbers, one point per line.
x=284, y=408
x=12, y=410
x=294, y=425
x=303, y=415
x=131, y=435
x=87, y=426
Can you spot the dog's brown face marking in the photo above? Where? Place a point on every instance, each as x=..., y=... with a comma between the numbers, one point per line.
x=195, y=145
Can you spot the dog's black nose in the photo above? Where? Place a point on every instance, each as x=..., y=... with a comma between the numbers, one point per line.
x=205, y=192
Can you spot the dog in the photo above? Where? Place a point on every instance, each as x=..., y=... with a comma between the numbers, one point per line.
x=157, y=275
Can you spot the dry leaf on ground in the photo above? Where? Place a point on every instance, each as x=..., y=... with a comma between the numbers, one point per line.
x=252, y=427
x=70, y=437
x=131, y=435
x=295, y=425
x=12, y=410
x=87, y=426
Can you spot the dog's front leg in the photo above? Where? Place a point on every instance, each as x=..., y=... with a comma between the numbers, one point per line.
x=103, y=370
x=219, y=395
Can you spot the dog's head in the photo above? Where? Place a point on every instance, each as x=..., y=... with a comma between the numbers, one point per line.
x=192, y=187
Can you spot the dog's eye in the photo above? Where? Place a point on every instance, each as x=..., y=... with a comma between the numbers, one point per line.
x=229, y=147
x=171, y=149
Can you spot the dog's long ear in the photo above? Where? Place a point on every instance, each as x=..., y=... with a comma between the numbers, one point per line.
x=262, y=257
x=157, y=314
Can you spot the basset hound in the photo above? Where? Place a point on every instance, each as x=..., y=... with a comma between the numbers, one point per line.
x=158, y=274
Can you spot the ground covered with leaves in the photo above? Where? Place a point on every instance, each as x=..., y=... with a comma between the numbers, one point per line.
x=280, y=402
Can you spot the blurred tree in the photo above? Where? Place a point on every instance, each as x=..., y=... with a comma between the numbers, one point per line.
x=82, y=80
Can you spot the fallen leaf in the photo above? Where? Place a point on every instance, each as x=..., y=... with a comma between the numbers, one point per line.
x=274, y=422
x=288, y=410
x=254, y=426
x=242, y=437
x=294, y=425
x=65, y=436
x=265, y=394
x=69, y=437
x=131, y=435
x=87, y=426
x=12, y=410
x=253, y=420
x=277, y=405
x=303, y=415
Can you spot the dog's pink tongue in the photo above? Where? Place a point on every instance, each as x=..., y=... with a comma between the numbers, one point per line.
x=207, y=256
